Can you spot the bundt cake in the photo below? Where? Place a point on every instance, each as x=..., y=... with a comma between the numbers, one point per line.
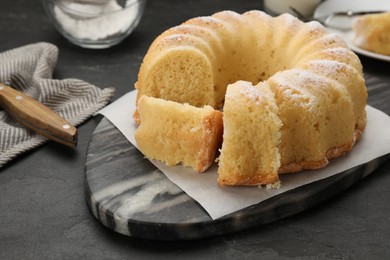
x=372, y=32
x=178, y=133
x=249, y=153
x=306, y=79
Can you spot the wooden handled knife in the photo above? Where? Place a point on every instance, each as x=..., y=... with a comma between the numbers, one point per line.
x=37, y=117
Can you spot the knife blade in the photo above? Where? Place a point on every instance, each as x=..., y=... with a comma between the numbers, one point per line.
x=36, y=116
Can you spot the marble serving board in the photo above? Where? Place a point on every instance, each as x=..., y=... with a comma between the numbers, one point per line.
x=129, y=195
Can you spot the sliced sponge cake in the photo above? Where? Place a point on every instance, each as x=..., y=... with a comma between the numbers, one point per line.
x=250, y=153
x=178, y=133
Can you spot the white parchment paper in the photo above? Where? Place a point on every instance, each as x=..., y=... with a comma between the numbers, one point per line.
x=219, y=201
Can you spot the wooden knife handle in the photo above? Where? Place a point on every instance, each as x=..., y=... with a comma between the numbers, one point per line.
x=37, y=117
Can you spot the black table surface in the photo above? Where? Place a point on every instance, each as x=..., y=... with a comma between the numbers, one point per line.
x=43, y=212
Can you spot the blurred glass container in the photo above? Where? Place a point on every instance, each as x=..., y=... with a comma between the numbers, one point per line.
x=95, y=24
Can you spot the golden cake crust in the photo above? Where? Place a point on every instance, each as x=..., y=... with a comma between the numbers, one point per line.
x=257, y=179
x=331, y=154
x=211, y=140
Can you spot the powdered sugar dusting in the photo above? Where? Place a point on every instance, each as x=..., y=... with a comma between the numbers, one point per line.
x=250, y=92
x=338, y=51
x=332, y=38
x=314, y=26
x=332, y=65
x=295, y=77
x=295, y=80
x=207, y=20
x=245, y=89
x=291, y=21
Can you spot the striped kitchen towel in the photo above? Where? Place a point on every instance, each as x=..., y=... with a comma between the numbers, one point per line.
x=29, y=69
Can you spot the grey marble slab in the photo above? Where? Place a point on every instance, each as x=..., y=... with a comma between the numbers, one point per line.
x=129, y=195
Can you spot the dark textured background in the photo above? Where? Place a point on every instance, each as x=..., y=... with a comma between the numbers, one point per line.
x=43, y=214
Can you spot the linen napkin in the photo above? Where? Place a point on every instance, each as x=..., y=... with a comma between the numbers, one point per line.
x=29, y=69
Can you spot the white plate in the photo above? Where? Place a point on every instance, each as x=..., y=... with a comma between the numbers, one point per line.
x=348, y=37
x=331, y=6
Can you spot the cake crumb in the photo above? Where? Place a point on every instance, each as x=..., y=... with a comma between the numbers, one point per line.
x=276, y=185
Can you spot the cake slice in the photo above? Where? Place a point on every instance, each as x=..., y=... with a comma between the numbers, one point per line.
x=372, y=32
x=250, y=154
x=176, y=133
